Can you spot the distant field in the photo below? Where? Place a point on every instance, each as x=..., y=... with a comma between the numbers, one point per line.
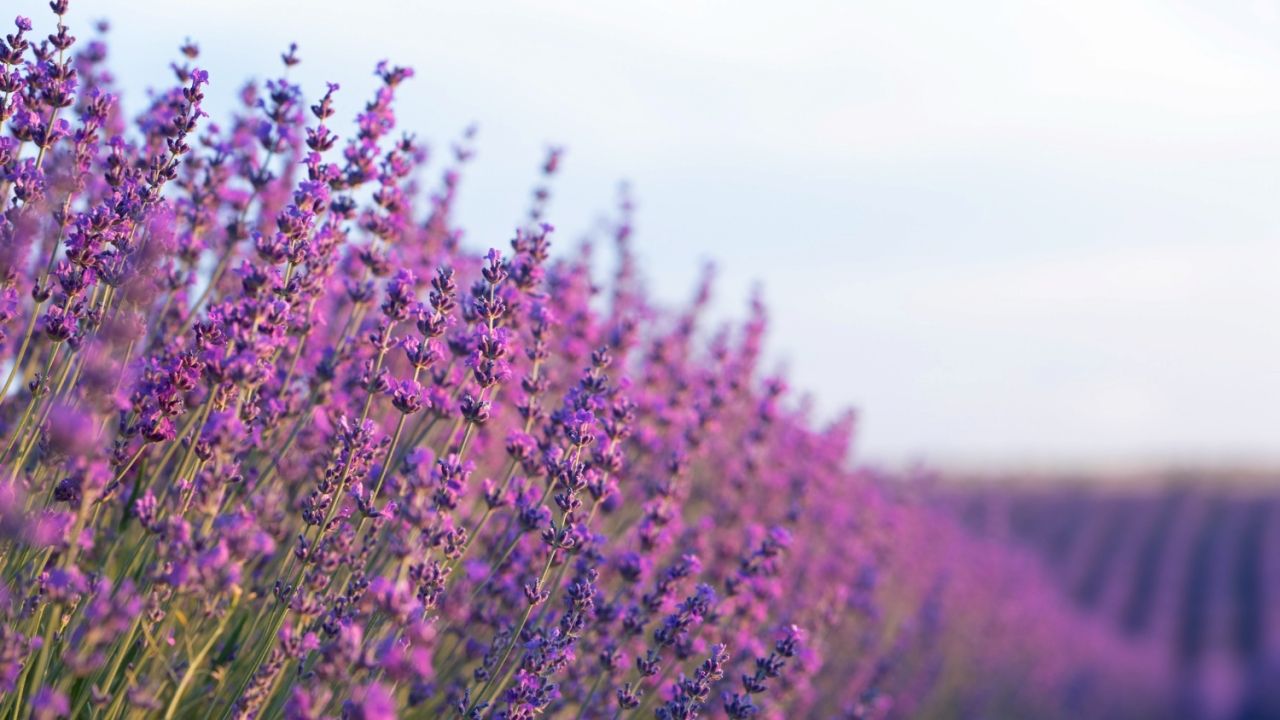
x=1189, y=565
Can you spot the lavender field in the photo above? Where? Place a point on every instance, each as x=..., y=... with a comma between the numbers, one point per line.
x=279, y=440
x=1185, y=565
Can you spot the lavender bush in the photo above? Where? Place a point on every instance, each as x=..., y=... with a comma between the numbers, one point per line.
x=274, y=442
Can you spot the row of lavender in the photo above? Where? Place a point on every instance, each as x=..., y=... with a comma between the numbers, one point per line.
x=1188, y=566
x=275, y=443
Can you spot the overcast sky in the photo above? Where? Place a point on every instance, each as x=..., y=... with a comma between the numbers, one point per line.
x=1007, y=232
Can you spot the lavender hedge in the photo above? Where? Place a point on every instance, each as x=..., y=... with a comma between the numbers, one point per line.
x=276, y=442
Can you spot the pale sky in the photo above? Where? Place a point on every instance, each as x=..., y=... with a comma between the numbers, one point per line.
x=1009, y=233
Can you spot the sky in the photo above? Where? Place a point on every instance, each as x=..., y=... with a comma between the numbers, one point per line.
x=1010, y=234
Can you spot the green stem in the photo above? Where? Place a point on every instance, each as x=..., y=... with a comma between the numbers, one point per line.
x=22, y=351
x=195, y=663
x=515, y=638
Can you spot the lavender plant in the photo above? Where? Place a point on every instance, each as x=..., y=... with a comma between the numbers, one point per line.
x=274, y=442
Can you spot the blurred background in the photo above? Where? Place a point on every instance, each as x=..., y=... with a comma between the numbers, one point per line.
x=1035, y=244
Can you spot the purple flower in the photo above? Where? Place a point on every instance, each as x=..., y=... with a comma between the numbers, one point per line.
x=48, y=704
x=369, y=702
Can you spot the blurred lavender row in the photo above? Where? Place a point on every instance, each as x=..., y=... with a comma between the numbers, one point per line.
x=1186, y=565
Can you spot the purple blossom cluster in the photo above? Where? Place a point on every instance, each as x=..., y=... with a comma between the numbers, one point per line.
x=274, y=442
